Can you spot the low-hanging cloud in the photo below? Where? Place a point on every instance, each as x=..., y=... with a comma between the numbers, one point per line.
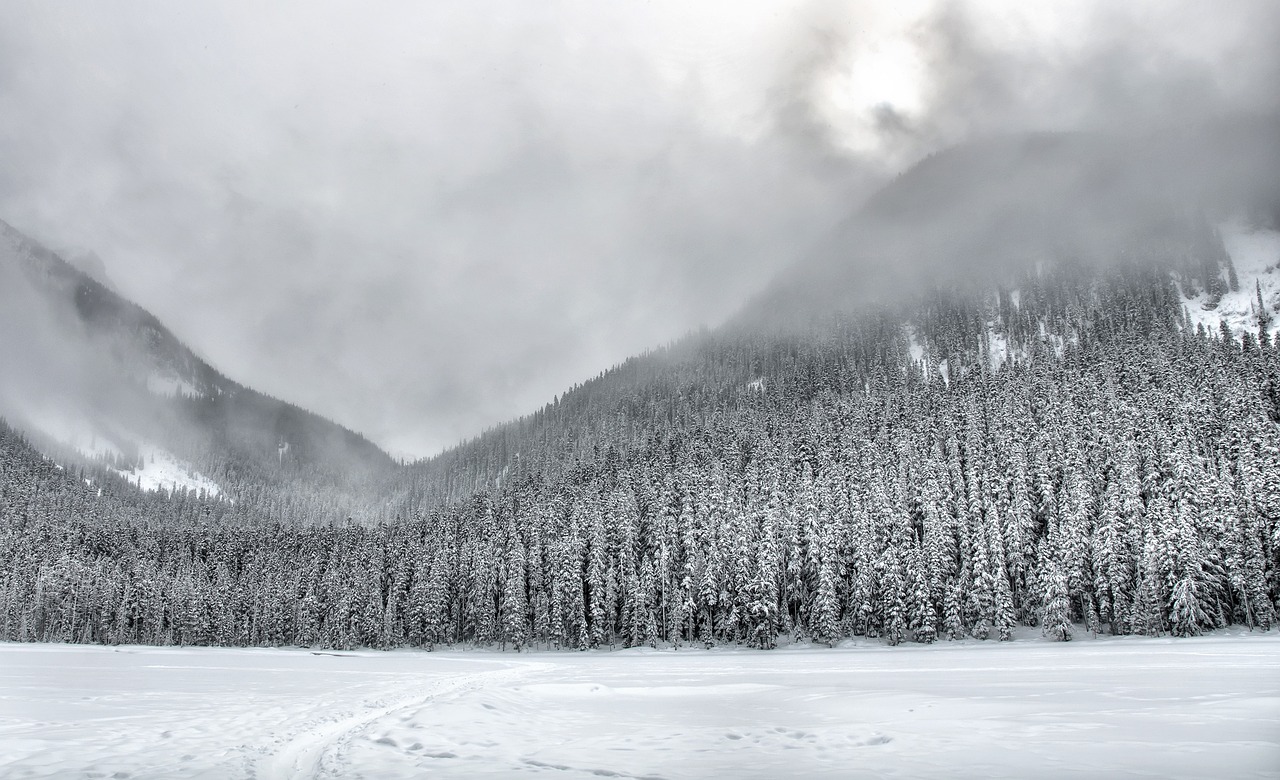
x=423, y=219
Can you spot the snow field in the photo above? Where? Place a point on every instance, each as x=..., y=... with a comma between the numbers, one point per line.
x=74, y=711
x=1195, y=708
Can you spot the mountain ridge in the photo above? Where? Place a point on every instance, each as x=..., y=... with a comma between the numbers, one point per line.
x=128, y=372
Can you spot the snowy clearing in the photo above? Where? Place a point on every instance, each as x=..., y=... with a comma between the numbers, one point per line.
x=1192, y=708
x=162, y=471
x=1256, y=255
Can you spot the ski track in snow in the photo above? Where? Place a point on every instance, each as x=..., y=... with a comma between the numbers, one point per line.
x=304, y=757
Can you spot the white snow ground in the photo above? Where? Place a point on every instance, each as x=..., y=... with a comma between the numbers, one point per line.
x=162, y=471
x=1256, y=255
x=1195, y=708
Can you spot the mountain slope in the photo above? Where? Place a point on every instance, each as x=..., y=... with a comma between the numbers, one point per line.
x=977, y=216
x=95, y=373
x=970, y=229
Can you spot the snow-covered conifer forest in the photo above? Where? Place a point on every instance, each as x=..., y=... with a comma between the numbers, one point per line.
x=1073, y=455
x=1087, y=445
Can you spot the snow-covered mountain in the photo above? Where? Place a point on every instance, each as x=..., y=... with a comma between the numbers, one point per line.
x=983, y=215
x=91, y=374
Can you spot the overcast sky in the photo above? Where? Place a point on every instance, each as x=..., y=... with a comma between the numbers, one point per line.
x=424, y=218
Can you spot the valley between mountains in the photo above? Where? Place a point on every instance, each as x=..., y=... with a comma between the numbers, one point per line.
x=1019, y=387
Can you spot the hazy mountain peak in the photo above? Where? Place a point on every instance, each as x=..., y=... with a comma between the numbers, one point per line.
x=979, y=214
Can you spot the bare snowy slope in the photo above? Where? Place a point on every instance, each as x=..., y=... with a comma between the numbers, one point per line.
x=1255, y=254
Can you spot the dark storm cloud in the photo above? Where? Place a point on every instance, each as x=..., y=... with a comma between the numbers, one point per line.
x=423, y=219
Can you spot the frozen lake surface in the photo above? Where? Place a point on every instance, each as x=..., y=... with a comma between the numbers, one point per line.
x=1193, y=708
